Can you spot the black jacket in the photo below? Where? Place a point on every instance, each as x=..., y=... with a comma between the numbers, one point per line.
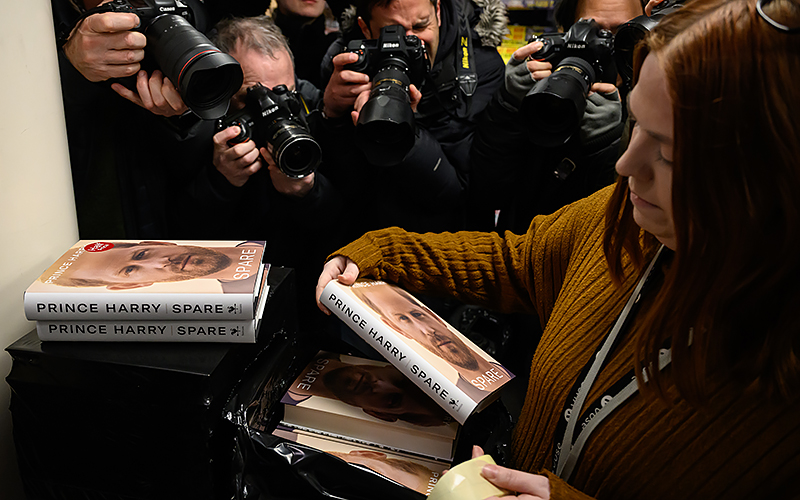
x=520, y=180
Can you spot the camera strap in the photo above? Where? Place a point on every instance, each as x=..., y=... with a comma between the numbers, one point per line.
x=465, y=63
x=457, y=80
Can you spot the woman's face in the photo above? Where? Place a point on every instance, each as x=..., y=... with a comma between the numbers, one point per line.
x=647, y=163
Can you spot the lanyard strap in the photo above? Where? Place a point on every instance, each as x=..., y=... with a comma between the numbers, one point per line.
x=567, y=450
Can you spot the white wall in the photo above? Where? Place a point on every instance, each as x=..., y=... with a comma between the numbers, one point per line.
x=37, y=213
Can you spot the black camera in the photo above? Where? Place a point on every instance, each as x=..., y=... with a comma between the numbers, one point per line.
x=580, y=57
x=630, y=33
x=205, y=77
x=275, y=117
x=385, y=130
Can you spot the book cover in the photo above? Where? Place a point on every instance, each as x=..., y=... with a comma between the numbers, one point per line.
x=150, y=280
x=453, y=371
x=412, y=472
x=368, y=402
x=232, y=331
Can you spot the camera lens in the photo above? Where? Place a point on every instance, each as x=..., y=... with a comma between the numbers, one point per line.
x=205, y=77
x=561, y=98
x=385, y=128
x=296, y=153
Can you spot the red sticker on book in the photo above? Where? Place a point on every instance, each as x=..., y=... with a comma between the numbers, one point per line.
x=99, y=246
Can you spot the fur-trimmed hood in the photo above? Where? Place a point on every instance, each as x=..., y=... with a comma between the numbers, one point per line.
x=490, y=20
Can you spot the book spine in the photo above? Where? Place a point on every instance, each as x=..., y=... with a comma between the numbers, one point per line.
x=397, y=351
x=148, y=331
x=138, y=306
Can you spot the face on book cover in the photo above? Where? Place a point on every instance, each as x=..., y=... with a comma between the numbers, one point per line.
x=130, y=265
x=417, y=322
x=385, y=393
x=411, y=474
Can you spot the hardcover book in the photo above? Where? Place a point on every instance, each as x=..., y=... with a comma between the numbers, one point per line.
x=413, y=472
x=150, y=280
x=232, y=331
x=370, y=403
x=454, y=372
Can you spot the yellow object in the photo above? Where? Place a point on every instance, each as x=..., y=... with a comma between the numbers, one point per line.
x=464, y=482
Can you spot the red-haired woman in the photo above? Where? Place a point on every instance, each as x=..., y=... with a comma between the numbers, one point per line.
x=669, y=366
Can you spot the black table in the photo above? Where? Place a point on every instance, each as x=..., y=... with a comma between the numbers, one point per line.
x=139, y=420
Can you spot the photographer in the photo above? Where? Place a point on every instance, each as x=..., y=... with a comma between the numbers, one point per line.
x=425, y=190
x=118, y=187
x=523, y=181
x=226, y=188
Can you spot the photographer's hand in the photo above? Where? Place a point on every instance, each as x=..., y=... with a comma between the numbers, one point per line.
x=338, y=268
x=289, y=186
x=648, y=9
x=156, y=94
x=344, y=86
x=103, y=47
x=416, y=97
x=520, y=78
x=236, y=163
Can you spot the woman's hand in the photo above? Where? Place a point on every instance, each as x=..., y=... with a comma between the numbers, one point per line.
x=338, y=268
x=528, y=486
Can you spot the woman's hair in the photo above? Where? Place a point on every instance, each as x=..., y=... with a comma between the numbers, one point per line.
x=728, y=298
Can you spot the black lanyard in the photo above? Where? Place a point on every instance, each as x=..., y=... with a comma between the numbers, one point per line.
x=567, y=448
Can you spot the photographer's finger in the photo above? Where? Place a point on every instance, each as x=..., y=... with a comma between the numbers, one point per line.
x=606, y=89
x=222, y=137
x=648, y=9
x=173, y=97
x=523, y=53
x=254, y=167
x=249, y=156
x=354, y=77
x=143, y=87
x=111, y=22
x=540, y=75
x=343, y=59
x=415, y=95
x=156, y=87
x=126, y=93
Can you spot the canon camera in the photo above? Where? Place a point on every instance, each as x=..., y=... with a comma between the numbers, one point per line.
x=385, y=130
x=275, y=117
x=205, y=77
x=580, y=57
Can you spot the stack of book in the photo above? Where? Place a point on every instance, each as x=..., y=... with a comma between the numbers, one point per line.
x=173, y=291
x=400, y=417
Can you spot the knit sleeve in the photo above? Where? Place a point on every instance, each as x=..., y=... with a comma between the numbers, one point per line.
x=508, y=273
x=560, y=490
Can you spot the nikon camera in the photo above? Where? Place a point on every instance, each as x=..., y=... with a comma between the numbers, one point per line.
x=275, y=117
x=385, y=130
x=580, y=57
x=205, y=77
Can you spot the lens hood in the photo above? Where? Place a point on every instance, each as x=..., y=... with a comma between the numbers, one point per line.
x=205, y=77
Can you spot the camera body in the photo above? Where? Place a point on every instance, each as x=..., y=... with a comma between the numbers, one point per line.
x=580, y=57
x=205, y=77
x=630, y=33
x=275, y=117
x=392, y=48
x=385, y=130
x=585, y=40
x=148, y=10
